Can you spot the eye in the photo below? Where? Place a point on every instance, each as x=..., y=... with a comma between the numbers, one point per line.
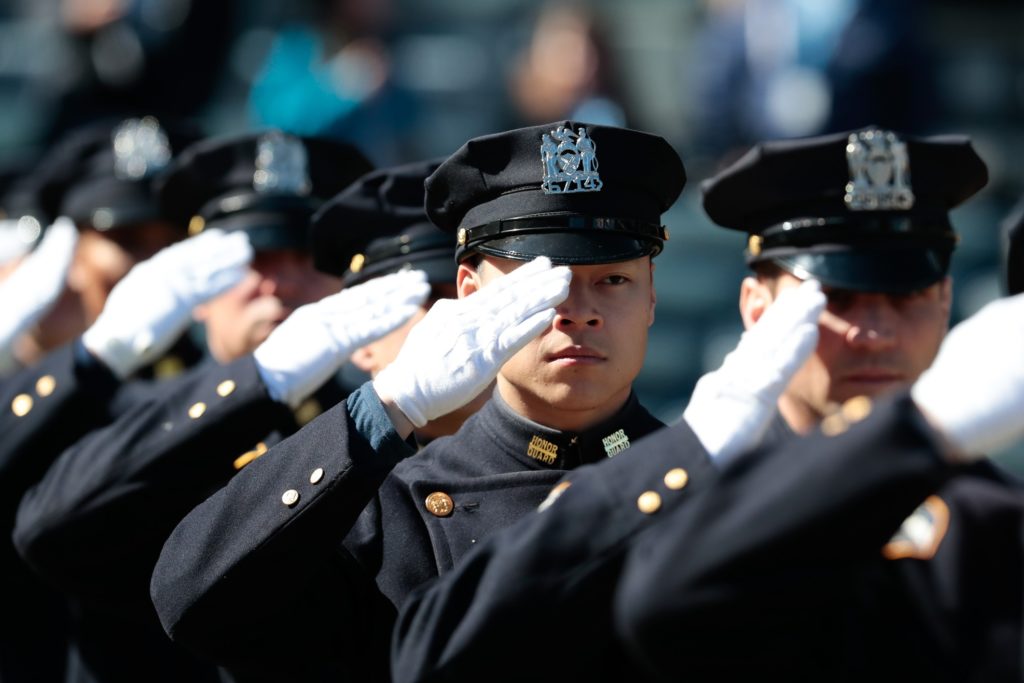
x=614, y=280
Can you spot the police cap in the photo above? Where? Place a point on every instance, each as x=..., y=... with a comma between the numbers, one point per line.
x=378, y=226
x=575, y=192
x=102, y=174
x=864, y=210
x=268, y=184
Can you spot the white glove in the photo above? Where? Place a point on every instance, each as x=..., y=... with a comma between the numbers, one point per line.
x=33, y=288
x=732, y=406
x=310, y=346
x=150, y=308
x=459, y=347
x=974, y=391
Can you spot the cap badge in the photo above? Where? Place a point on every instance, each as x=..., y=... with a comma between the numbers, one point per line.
x=140, y=148
x=615, y=443
x=282, y=166
x=879, y=172
x=570, y=162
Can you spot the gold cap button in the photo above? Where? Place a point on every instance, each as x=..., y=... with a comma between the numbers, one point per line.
x=225, y=387
x=857, y=408
x=440, y=504
x=649, y=502
x=316, y=475
x=197, y=410
x=196, y=225
x=45, y=385
x=676, y=478
x=462, y=237
x=21, y=404
x=290, y=497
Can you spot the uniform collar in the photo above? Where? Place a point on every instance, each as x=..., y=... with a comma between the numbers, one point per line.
x=541, y=447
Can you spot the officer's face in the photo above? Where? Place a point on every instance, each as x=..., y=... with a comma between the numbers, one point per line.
x=580, y=370
x=869, y=343
x=278, y=282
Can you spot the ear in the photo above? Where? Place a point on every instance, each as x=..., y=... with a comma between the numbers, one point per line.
x=654, y=296
x=755, y=298
x=467, y=280
x=362, y=358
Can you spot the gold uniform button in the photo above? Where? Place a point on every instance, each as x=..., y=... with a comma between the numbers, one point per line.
x=857, y=408
x=225, y=388
x=834, y=425
x=196, y=225
x=197, y=410
x=290, y=497
x=45, y=385
x=440, y=504
x=676, y=478
x=316, y=476
x=21, y=404
x=649, y=502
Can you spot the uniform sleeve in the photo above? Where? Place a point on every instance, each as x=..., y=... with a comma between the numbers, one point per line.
x=546, y=578
x=257, y=570
x=752, y=566
x=95, y=523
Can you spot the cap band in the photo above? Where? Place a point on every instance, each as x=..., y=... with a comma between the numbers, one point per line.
x=561, y=223
x=934, y=231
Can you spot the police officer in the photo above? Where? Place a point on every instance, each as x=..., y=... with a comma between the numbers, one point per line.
x=100, y=181
x=888, y=586
x=333, y=527
x=95, y=522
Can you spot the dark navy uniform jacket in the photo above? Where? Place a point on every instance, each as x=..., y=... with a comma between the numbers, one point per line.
x=43, y=410
x=865, y=556
x=792, y=561
x=94, y=524
x=298, y=566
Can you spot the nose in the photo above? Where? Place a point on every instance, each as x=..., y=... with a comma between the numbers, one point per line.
x=578, y=310
x=871, y=325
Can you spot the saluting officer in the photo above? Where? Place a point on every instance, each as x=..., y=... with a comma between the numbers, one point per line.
x=299, y=564
x=828, y=563
x=95, y=523
x=96, y=185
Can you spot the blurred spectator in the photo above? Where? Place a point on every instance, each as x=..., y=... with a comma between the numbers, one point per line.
x=332, y=77
x=566, y=72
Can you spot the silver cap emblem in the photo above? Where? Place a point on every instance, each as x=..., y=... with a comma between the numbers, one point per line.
x=879, y=172
x=282, y=166
x=140, y=149
x=570, y=162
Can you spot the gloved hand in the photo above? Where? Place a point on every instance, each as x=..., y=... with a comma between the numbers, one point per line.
x=974, y=391
x=732, y=406
x=150, y=308
x=459, y=347
x=33, y=288
x=310, y=346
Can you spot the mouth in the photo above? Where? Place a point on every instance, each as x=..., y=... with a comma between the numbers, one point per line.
x=875, y=377
x=576, y=355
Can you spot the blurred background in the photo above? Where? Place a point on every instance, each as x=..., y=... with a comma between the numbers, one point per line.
x=410, y=79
